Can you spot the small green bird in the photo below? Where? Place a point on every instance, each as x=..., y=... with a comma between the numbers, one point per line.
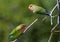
x=38, y=9
x=16, y=32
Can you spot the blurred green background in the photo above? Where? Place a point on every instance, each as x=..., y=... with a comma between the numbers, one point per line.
x=15, y=12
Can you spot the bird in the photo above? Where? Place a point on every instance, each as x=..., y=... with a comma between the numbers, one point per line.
x=42, y=11
x=16, y=32
x=38, y=9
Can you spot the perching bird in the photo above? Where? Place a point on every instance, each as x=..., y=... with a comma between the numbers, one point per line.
x=38, y=9
x=16, y=32
x=42, y=11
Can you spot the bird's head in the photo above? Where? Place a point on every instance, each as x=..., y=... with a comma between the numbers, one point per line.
x=34, y=8
x=21, y=27
x=31, y=7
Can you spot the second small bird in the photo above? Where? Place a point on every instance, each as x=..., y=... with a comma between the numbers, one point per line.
x=38, y=10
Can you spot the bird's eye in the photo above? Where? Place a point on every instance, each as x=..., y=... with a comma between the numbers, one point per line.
x=30, y=6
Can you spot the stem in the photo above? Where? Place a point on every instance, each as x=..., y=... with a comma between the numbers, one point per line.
x=57, y=31
x=52, y=31
x=14, y=40
x=30, y=25
x=50, y=37
x=58, y=2
x=54, y=28
x=52, y=12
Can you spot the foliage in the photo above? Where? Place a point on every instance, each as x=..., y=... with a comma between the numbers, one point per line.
x=15, y=12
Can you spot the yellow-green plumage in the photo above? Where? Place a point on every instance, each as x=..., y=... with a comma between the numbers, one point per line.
x=38, y=9
x=16, y=32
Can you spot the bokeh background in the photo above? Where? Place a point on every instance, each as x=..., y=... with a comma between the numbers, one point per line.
x=16, y=12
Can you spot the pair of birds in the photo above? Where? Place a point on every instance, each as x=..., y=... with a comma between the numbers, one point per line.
x=16, y=32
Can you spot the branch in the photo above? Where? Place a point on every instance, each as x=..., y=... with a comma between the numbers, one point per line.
x=54, y=28
x=56, y=31
x=14, y=40
x=52, y=12
x=49, y=40
x=30, y=25
x=52, y=31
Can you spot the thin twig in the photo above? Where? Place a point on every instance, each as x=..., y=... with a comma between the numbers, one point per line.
x=53, y=9
x=33, y=23
x=44, y=19
x=52, y=31
x=52, y=12
x=14, y=40
x=49, y=40
x=56, y=31
x=58, y=20
x=30, y=25
x=54, y=28
x=54, y=16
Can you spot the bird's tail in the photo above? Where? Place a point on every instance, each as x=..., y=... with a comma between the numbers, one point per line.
x=47, y=14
